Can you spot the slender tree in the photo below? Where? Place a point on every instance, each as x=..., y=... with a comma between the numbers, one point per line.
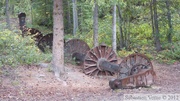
x=58, y=38
x=114, y=45
x=75, y=17
x=120, y=27
x=169, y=36
x=152, y=18
x=95, y=19
x=156, y=36
x=68, y=15
x=7, y=14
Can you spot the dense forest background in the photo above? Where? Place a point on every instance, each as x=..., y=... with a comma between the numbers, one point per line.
x=151, y=27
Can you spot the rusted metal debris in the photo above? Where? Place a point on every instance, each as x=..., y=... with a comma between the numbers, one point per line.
x=76, y=49
x=34, y=33
x=145, y=78
x=46, y=42
x=95, y=58
x=22, y=21
x=136, y=70
x=132, y=61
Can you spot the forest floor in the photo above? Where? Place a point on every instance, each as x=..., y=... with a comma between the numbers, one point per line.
x=38, y=83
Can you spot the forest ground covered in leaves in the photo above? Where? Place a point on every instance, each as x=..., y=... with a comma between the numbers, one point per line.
x=38, y=83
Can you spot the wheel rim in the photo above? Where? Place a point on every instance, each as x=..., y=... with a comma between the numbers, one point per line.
x=94, y=56
x=133, y=61
x=75, y=46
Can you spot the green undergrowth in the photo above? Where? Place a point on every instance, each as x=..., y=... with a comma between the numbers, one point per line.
x=144, y=50
x=16, y=50
x=169, y=55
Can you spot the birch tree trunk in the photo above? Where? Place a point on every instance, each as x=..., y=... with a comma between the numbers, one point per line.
x=69, y=15
x=169, y=36
x=7, y=15
x=58, y=39
x=114, y=44
x=95, y=24
x=75, y=17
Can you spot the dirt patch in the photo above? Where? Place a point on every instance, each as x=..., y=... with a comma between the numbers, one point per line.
x=37, y=83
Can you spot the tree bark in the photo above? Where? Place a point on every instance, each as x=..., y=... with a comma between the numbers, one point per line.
x=152, y=18
x=58, y=39
x=156, y=38
x=69, y=16
x=95, y=19
x=75, y=17
x=114, y=45
x=7, y=15
x=169, y=36
x=120, y=28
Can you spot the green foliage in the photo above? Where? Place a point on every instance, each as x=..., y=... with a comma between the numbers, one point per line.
x=162, y=58
x=169, y=55
x=173, y=52
x=16, y=50
x=124, y=53
x=144, y=50
x=136, y=25
x=42, y=11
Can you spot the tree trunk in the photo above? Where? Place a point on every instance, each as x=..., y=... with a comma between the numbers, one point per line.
x=114, y=29
x=7, y=15
x=81, y=20
x=127, y=32
x=69, y=17
x=156, y=38
x=169, y=36
x=58, y=38
x=12, y=9
x=120, y=28
x=32, y=16
x=152, y=18
x=95, y=19
x=75, y=17
x=128, y=16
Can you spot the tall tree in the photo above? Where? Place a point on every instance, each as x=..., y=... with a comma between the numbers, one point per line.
x=58, y=38
x=68, y=15
x=7, y=15
x=126, y=23
x=114, y=46
x=95, y=19
x=152, y=17
x=75, y=17
x=120, y=27
x=156, y=36
x=169, y=36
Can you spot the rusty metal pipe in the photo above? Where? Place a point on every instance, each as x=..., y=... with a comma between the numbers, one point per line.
x=108, y=66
